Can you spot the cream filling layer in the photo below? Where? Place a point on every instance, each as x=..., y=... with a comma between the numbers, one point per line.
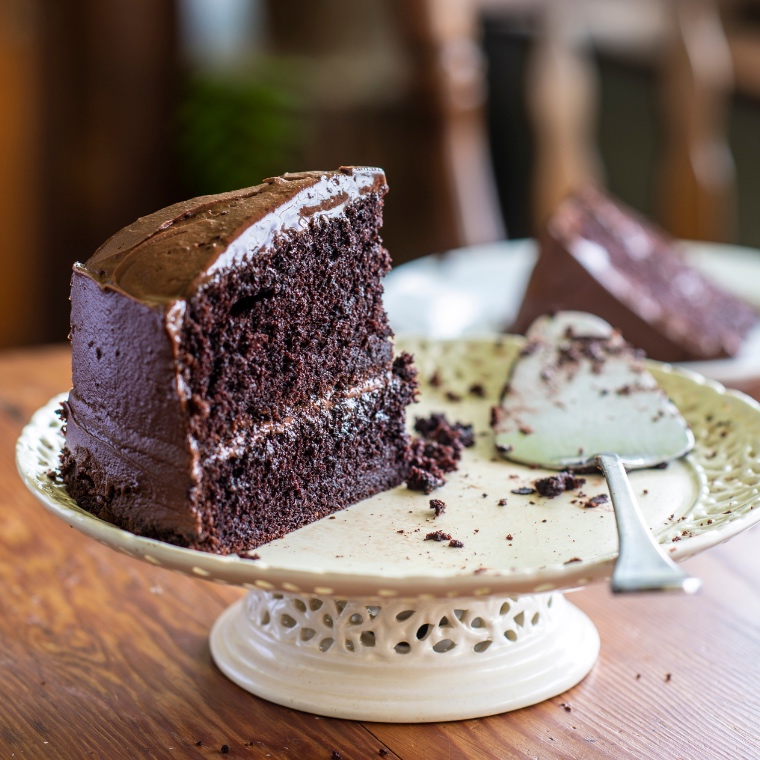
x=246, y=437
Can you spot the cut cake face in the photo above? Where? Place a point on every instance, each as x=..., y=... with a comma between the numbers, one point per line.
x=596, y=255
x=233, y=372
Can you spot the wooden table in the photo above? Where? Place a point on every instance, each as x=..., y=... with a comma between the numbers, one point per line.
x=107, y=657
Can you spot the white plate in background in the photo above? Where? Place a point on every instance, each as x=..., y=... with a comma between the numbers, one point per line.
x=477, y=290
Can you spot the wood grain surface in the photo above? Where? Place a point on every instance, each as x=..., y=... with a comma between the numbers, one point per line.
x=107, y=657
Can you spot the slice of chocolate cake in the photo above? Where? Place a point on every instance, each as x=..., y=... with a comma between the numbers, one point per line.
x=233, y=374
x=597, y=255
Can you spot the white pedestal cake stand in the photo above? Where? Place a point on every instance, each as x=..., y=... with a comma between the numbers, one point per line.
x=359, y=616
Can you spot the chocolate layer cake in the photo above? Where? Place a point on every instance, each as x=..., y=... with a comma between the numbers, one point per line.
x=597, y=255
x=233, y=373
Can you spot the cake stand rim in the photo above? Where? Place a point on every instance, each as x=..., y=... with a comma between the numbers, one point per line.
x=234, y=570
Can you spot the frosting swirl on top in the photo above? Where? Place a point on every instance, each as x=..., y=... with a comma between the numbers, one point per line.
x=164, y=256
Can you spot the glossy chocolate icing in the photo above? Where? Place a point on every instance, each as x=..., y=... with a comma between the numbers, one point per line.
x=162, y=256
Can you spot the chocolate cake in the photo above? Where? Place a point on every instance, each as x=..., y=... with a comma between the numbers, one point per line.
x=233, y=371
x=597, y=255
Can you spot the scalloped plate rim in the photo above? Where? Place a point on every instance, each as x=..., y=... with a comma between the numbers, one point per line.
x=261, y=574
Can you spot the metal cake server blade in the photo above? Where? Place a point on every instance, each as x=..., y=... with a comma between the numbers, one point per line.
x=579, y=397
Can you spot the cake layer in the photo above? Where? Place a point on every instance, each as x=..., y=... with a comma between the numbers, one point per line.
x=598, y=256
x=256, y=484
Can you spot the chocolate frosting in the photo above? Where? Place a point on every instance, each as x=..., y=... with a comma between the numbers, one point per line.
x=124, y=417
x=164, y=256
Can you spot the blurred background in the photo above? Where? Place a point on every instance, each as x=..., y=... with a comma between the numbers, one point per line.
x=483, y=113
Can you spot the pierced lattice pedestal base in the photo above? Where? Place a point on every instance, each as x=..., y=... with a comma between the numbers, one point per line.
x=404, y=660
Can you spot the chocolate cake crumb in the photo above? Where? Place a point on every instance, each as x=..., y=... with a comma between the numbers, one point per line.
x=571, y=560
x=523, y=491
x=437, y=428
x=525, y=429
x=435, y=379
x=249, y=555
x=438, y=506
x=403, y=368
x=336, y=755
x=225, y=749
x=456, y=544
x=382, y=752
x=425, y=480
x=509, y=537
x=438, y=535
x=668, y=676
x=444, y=457
x=502, y=502
x=199, y=743
x=557, y=484
x=451, y=396
x=566, y=706
x=477, y=389
x=436, y=452
x=595, y=501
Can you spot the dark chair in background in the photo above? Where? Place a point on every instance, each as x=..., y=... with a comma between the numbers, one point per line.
x=94, y=96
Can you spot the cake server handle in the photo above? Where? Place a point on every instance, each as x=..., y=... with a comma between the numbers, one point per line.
x=642, y=565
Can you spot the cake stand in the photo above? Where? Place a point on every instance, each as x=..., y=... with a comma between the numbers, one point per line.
x=359, y=616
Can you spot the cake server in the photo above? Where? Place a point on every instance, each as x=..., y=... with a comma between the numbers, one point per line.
x=579, y=397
